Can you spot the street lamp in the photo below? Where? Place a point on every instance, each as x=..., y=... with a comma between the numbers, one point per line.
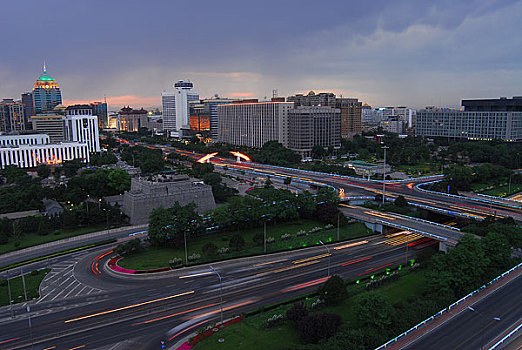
x=486, y=319
x=384, y=174
x=328, y=250
x=509, y=186
x=220, y=291
x=107, y=216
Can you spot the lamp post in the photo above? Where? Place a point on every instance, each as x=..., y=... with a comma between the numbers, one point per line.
x=186, y=253
x=328, y=250
x=30, y=325
x=107, y=216
x=384, y=174
x=509, y=186
x=220, y=291
x=486, y=319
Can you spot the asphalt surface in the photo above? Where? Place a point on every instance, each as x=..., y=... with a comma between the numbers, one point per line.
x=476, y=330
x=147, y=310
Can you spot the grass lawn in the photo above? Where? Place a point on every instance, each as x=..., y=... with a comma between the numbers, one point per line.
x=159, y=257
x=35, y=239
x=251, y=332
x=32, y=284
x=423, y=169
x=502, y=191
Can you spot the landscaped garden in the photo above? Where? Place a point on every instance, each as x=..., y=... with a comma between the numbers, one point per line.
x=32, y=285
x=285, y=236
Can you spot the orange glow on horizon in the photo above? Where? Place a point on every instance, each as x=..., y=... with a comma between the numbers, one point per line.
x=123, y=100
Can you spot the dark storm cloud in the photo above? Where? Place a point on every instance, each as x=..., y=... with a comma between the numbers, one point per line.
x=385, y=52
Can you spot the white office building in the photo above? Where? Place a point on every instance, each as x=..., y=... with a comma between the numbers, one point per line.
x=18, y=140
x=28, y=156
x=253, y=123
x=81, y=126
x=176, y=109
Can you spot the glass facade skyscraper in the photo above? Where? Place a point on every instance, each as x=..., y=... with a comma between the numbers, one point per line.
x=46, y=93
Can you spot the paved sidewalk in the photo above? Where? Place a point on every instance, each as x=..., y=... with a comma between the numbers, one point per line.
x=440, y=320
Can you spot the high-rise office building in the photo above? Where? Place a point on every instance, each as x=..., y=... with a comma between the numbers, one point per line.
x=309, y=126
x=81, y=126
x=481, y=120
x=313, y=99
x=252, y=123
x=50, y=124
x=12, y=116
x=204, y=115
x=99, y=109
x=46, y=93
x=176, y=109
x=28, y=101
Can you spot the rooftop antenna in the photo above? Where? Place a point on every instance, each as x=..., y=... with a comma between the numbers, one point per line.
x=274, y=93
x=44, y=68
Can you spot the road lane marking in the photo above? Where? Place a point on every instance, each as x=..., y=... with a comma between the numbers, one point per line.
x=311, y=258
x=196, y=274
x=175, y=314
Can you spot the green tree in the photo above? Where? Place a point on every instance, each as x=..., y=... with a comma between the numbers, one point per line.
x=318, y=152
x=401, y=202
x=497, y=248
x=237, y=242
x=119, y=180
x=200, y=169
x=287, y=181
x=43, y=170
x=168, y=227
x=333, y=291
x=374, y=309
x=316, y=327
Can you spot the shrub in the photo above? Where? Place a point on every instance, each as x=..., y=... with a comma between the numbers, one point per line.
x=315, y=229
x=329, y=226
x=237, y=242
x=274, y=321
x=35, y=273
x=57, y=232
x=258, y=238
x=374, y=309
x=333, y=290
x=210, y=249
x=3, y=239
x=301, y=233
x=194, y=257
x=223, y=250
x=17, y=244
x=175, y=262
x=286, y=236
x=297, y=312
x=319, y=303
x=270, y=240
x=319, y=326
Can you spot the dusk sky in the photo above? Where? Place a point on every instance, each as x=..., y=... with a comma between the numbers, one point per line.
x=414, y=53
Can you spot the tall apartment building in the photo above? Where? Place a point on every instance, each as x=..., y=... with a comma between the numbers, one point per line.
x=28, y=101
x=313, y=125
x=132, y=120
x=176, y=109
x=351, y=116
x=46, y=93
x=12, y=116
x=481, y=120
x=81, y=126
x=252, y=123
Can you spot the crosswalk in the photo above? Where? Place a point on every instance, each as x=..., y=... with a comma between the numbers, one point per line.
x=60, y=283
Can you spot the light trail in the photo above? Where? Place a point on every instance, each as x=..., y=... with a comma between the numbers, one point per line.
x=128, y=307
x=196, y=275
x=374, y=269
x=8, y=340
x=311, y=258
x=289, y=268
x=305, y=285
x=224, y=309
x=356, y=261
x=349, y=245
x=269, y=262
x=186, y=329
x=175, y=314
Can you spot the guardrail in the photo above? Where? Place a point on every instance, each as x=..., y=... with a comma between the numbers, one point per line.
x=506, y=337
x=419, y=187
x=414, y=328
x=447, y=212
x=348, y=176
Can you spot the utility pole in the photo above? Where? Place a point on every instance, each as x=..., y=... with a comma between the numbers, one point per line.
x=384, y=175
x=220, y=291
x=328, y=250
x=264, y=236
x=30, y=325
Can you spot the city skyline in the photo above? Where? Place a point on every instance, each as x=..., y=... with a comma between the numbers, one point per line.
x=402, y=53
